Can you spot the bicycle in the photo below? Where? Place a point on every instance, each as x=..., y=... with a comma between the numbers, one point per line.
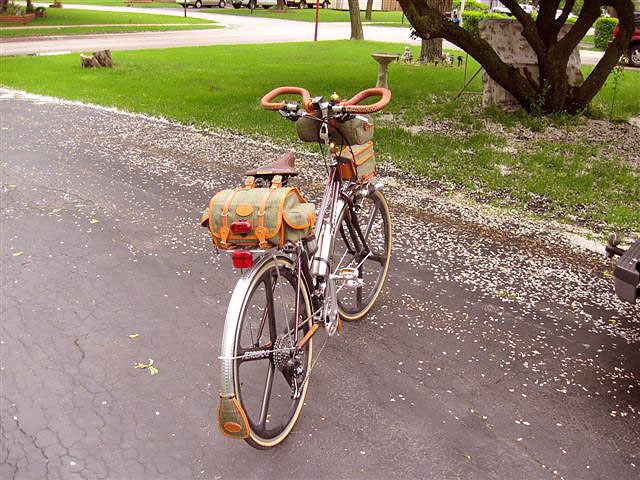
x=287, y=294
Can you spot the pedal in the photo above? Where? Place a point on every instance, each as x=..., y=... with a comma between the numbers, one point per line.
x=350, y=277
x=231, y=418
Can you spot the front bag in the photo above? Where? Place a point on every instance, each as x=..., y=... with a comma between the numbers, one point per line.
x=268, y=216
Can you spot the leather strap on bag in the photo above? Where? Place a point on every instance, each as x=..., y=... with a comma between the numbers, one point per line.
x=276, y=182
x=224, y=230
x=261, y=230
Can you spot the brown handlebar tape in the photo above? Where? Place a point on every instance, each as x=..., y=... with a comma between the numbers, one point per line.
x=276, y=92
x=350, y=105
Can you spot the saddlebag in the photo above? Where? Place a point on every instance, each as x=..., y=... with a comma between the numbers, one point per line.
x=259, y=217
x=357, y=162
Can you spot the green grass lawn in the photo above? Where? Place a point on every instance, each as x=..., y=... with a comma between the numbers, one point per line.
x=121, y=3
x=226, y=82
x=127, y=22
x=60, y=16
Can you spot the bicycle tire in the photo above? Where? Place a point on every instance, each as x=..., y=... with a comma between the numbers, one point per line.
x=268, y=426
x=350, y=308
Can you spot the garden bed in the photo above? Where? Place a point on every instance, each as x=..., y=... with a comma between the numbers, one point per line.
x=21, y=19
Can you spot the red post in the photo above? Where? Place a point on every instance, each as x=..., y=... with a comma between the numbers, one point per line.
x=315, y=36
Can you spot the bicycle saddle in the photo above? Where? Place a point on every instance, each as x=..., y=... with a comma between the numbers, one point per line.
x=285, y=165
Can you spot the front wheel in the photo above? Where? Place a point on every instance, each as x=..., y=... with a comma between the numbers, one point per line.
x=251, y=5
x=302, y=4
x=198, y=4
x=370, y=258
x=325, y=5
x=634, y=56
x=222, y=4
x=262, y=369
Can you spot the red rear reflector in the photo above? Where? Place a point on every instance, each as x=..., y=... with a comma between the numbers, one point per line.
x=240, y=227
x=242, y=259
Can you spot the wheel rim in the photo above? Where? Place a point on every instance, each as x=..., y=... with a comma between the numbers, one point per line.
x=222, y=4
x=261, y=387
x=353, y=303
x=635, y=56
x=198, y=4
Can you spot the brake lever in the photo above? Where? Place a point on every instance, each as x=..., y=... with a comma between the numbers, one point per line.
x=293, y=116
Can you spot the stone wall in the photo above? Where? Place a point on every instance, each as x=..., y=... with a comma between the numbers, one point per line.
x=505, y=36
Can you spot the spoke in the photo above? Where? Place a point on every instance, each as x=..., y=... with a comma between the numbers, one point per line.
x=266, y=396
x=372, y=216
x=239, y=357
x=264, y=315
x=273, y=334
x=352, y=251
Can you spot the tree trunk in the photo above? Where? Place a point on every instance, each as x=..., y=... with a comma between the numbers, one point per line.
x=3, y=4
x=551, y=91
x=29, y=8
x=356, y=21
x=367, y=15
x=431, y=49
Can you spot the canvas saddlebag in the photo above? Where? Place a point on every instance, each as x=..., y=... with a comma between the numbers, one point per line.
x=356, y=131
x=357, y=163
x=274, y=215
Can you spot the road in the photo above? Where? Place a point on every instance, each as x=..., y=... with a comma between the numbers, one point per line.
x=496, y=351
x=240, y=30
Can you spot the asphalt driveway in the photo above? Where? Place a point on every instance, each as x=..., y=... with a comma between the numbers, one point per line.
x=497, y=350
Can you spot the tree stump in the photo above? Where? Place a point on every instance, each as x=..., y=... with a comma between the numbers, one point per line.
x=97, y=60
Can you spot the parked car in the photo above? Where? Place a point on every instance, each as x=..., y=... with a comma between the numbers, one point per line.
x=527, y=8
x=307, y=3
x=202, y=3
x=633, y=50
x=502, y=10
x=254, y=3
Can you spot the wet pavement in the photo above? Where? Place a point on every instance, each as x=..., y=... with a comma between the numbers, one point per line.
x=497, y=350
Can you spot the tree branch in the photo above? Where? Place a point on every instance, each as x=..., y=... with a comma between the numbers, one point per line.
x=600, y=73
x=529, y=30
x=562, y=19
x=427, y=20
x=545, y=21
x=588, y=15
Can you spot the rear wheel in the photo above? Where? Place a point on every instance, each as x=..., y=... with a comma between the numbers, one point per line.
x=302, y=4
x=325, y=5
x=371, y=214
x=269, y=374
x=222, y=4
x=252, y=4
x=634, y=55
x=198, y=4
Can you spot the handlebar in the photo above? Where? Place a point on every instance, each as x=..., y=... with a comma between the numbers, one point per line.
x=350, y=106
x=276, y=92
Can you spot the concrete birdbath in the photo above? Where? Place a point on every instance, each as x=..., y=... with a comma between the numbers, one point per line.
x=384, y=59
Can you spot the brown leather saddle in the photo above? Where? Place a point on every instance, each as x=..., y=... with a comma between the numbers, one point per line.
x=285, y=166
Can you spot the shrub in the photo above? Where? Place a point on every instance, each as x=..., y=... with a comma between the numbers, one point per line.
x=470, y=20
x=604, y=32
x=13, y=9
x=470, y=5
